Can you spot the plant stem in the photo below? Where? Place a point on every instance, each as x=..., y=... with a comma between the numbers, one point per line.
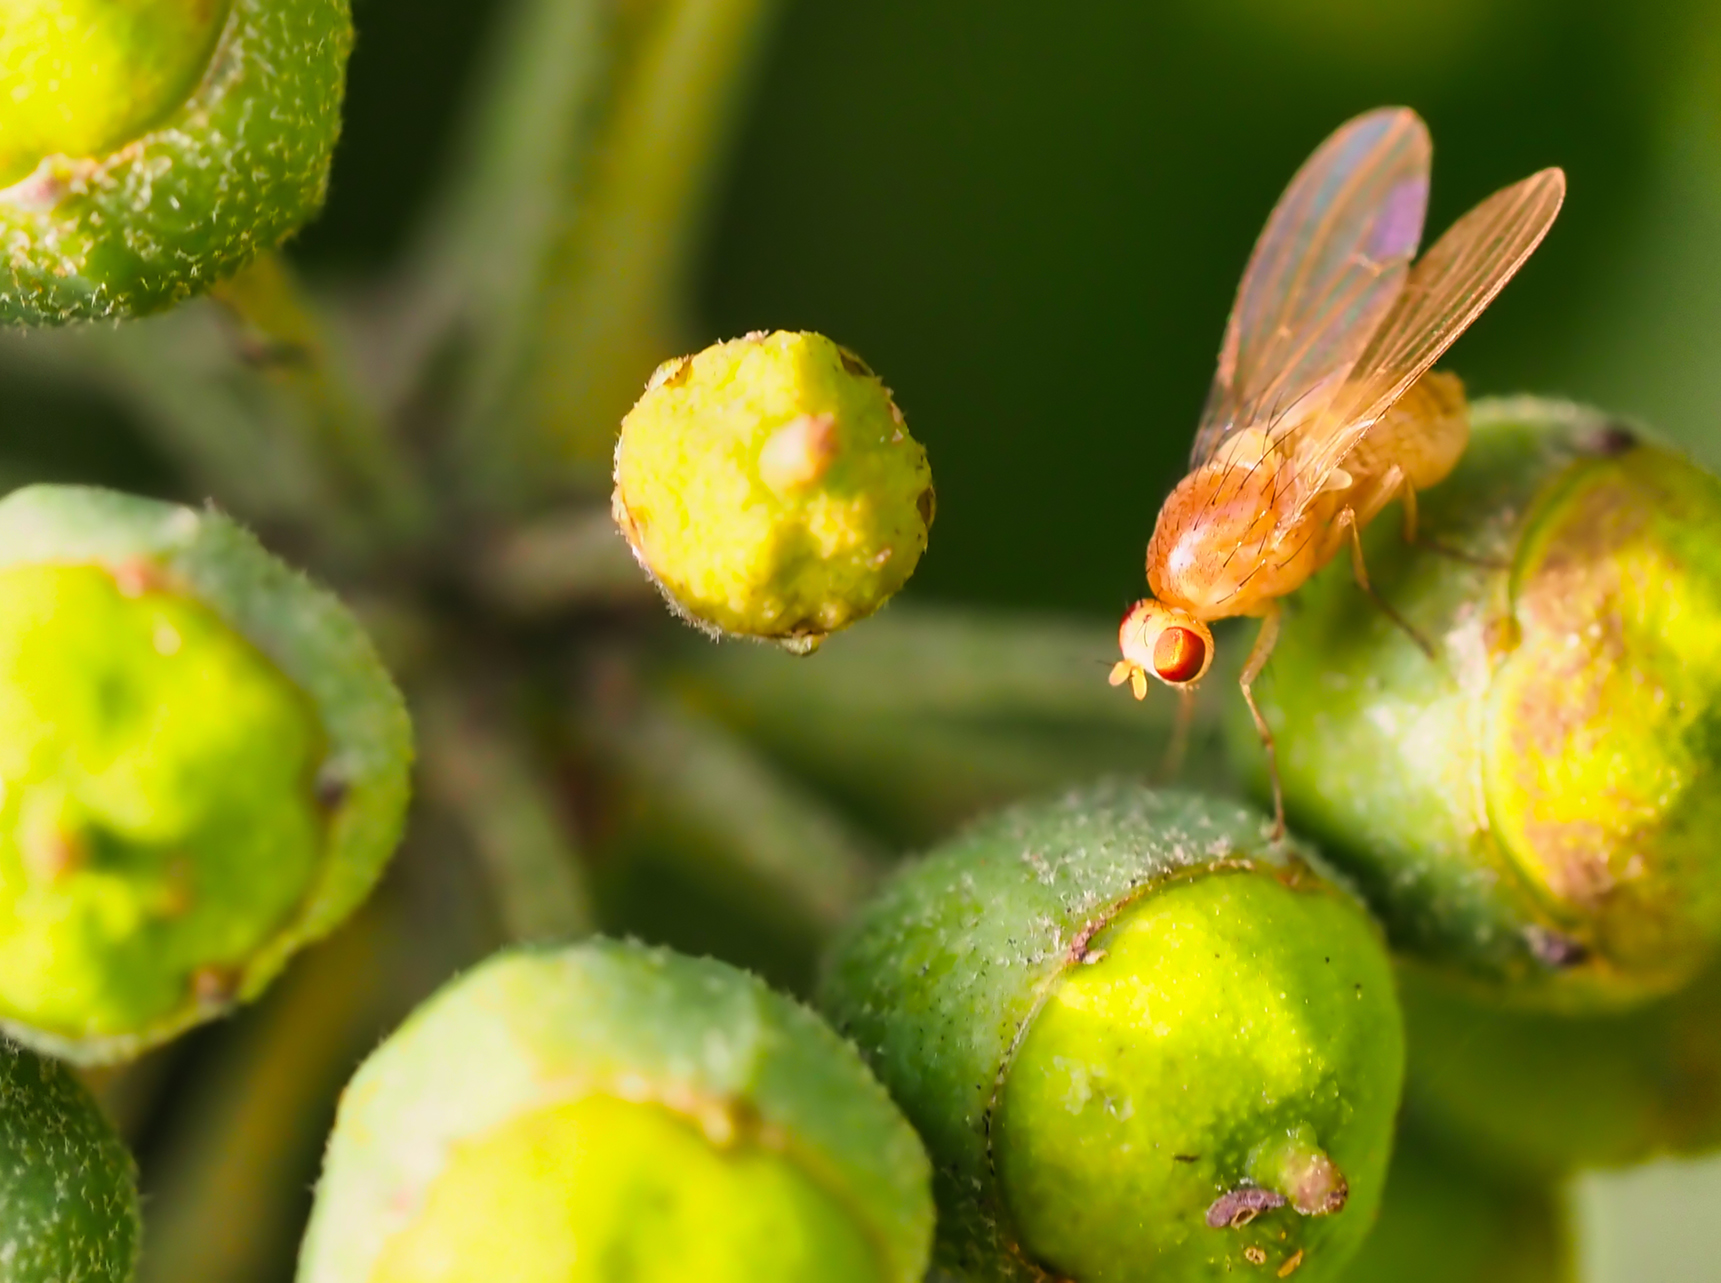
x=483, y=778
x=766, y=830
x=920, y=661
x=224, y=1197
x=175, y=377
x=281, y=337
x=574, y=557
x=471, y=285
x=616, y=290
x=558, y=263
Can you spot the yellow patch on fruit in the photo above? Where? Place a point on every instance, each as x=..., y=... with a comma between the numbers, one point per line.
x=80, y=78
x=597, y=1189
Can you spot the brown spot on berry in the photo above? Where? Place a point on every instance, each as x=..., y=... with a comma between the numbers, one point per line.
x=671, y=374
x=1608, y=441
x=331, y=787
x=215, y=986
x=1241, y=1206
x=799, y=453
x=853, y=364
x=927, y=506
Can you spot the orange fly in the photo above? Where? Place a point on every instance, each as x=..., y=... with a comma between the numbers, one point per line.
x=1323, y=409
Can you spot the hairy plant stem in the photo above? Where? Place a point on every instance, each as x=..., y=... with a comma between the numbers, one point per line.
x=481, y=776
x=281, y=335
x=615, y=291
x=570, y=558
x=552, y=275
x=224, y=1196
x=760, y=828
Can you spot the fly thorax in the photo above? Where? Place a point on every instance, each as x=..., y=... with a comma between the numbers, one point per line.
x=1213, y=532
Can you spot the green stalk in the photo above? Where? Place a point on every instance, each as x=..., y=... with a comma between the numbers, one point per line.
x=555, y=271
x=760, y=827
x=224, y=1197
x=572, y=557
x=283, y=338
x=480, y=776
x=615, y=299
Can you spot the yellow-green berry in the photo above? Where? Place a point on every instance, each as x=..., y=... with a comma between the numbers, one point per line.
x=1141, y=1041
x=609, y=1111
x=202, y=768
x=770, y=488
x=1535, y=807
x=68, y=1189
x=84, y=77
x=150, y=148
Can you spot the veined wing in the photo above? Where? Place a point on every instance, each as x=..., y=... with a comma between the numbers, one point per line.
x=1326, y=270
x=1446, y=291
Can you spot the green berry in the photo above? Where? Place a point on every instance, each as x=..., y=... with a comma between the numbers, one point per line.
x=84, y=77
x=68, y=1190
x=203, y=768
x=1535, y=808
x=770, y=488
x=1141, y=1041
x=607, y=1111
x=153, y=148
x=1446, y=1218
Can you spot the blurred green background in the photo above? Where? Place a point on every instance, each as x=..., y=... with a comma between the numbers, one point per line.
x=1032, y=219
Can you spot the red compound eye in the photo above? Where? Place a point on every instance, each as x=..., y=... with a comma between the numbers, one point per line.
x=1179, y=655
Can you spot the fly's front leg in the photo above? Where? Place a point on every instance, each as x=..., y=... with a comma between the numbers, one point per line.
x=1265, y=640
x=1178, y=749
x=1347, y=519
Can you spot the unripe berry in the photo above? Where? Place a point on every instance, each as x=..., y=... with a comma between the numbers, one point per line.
x=1535, y=808
x=607, y=1111
x=202, y=768
x=151, y=148
x=1141, y=1041
x=68, y=1188
x=770, y=488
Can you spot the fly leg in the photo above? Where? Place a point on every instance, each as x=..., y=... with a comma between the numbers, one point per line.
x=1407, y=493
x=1347, y=519
x=1178, y=749
x=1258, y=654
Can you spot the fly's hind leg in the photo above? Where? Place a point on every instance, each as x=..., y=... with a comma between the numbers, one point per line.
x=1265, y=640
x=1347, y=519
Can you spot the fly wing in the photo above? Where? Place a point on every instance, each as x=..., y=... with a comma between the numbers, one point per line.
x=1326, y=270
x=1446, y=291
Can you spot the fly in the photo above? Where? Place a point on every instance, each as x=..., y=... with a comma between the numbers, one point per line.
x=1323, y=409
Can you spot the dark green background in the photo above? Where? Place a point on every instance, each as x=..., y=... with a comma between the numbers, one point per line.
x=1031, y=218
